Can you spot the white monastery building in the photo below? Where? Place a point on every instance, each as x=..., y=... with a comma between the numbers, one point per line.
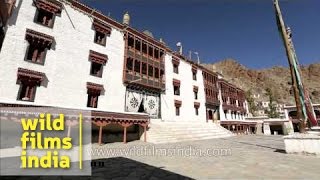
x=61, y=53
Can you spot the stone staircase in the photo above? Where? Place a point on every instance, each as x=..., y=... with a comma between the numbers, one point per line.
x=170, y=132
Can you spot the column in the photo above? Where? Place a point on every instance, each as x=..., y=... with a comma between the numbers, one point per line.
x=266, y=129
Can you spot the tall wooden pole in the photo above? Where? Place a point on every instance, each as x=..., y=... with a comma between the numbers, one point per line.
x=286, y=42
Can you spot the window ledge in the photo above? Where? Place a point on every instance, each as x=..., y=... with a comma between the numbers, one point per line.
x=38, y=63
x=101, y=44
x=50, y=27
x=96, y=75
x=25, y=100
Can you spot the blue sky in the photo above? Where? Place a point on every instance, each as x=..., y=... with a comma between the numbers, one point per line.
x=244, y=30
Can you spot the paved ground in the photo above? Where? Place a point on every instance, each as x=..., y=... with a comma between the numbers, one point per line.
x=240, y=157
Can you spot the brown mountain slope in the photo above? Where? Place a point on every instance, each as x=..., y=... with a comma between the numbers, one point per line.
x=277, y=78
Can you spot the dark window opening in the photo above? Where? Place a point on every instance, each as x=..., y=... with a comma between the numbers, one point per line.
x=137, y=66
x=44, y=17
x=138, y=45
x=144, y=68
x=144, y=48
x=161, y=74
x=156, y=73
x=195, y=95
x=156, y=53
x=35, y=54
x=130, y=42
x=177, y=111
x=96, y=69
x=100, y=38
x=196, y=110
x=176, y=68
x=92, y=100
x=176, y=90
x=26, y=92
x=150, y=51
x=210, y=114
x=224, y=99
x=150, y=73
x=194, y=75
x=161, y=54
x=129, y=64
x=2, y=34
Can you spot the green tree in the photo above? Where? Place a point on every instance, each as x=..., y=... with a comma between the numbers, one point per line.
x=251, y=103
x=272, y=110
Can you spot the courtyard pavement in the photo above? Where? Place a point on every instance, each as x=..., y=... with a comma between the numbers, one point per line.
x=239, y=157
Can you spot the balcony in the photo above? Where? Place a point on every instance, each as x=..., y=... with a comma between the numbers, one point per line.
x=135, y=78
x=131, y=52
x=212, y=101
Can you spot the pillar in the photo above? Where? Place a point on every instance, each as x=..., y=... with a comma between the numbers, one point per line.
x=145, y=133
x=100, y=135
x=259, y=127
x=100, y=124
x=266, y=129
x=69, y=130
x=125, y=134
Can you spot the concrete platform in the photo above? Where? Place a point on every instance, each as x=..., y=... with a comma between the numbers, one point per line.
x=302, y=143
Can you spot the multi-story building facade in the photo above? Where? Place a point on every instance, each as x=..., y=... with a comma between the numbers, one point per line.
x=66, y=54
x=233, y=104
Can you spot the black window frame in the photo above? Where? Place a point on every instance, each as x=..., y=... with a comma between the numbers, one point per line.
x=194, y=75
x=196, y=111
x=176, y=90
x=21, y=91
x=89, y=100
x=31, y=60
x=104, y=42
x=176, y=68
x=100, y=71
x=177, y=111
x=36, y=18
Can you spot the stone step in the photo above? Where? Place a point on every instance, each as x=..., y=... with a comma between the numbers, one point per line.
x=185, y=127
x=162, y=141
x=164, y=132
x=187, y=131
x=192, y=129
x=190, y=136
x=186, y=135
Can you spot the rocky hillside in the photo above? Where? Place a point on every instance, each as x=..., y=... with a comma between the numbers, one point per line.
x=277, y=78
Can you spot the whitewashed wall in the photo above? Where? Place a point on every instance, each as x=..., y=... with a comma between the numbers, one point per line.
x=187, y=111
x=66, y=65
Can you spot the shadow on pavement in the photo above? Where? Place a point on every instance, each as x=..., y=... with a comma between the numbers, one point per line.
x=116, y=168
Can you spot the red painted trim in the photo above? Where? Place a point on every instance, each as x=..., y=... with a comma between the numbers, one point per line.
x=38, y=37
x=101, y=27
x=98, y=57
x=30, y=75
x=54, y=7
x=93, y=87
x=177, y=103
x=176, y=82
x=175, y=61
x=195, y=88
